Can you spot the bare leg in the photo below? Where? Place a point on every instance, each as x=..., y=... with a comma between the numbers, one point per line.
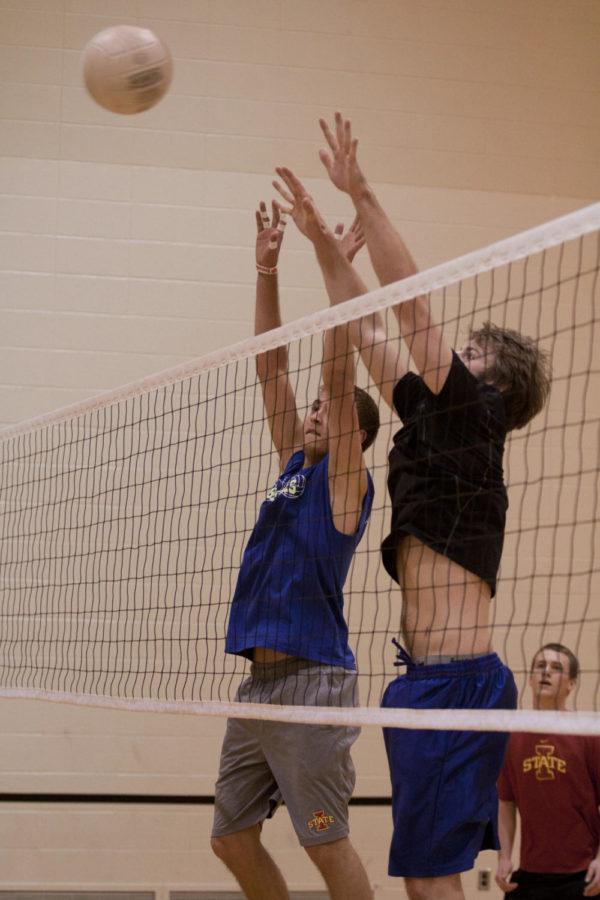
x=447, y=887
x=256, y=872
x=342, y=870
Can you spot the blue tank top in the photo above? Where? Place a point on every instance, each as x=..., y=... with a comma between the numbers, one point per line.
x=288, y=595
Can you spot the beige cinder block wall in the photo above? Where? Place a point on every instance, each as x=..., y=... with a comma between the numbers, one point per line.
x=126, y=247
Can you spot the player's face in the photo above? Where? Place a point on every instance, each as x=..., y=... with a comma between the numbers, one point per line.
x=476, y=358
x=316, y=429
x=550, y=680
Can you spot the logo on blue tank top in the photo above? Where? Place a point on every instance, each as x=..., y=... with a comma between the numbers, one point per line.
x=290, y=486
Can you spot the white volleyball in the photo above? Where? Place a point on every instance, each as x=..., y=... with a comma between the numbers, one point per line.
x=127, y=69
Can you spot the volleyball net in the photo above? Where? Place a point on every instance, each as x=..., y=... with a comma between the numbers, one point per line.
x=123, y=520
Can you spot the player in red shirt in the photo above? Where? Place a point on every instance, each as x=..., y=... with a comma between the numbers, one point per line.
x=554, y=782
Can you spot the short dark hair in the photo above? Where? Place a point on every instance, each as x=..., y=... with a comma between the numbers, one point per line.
x=368, y=415
x=560, y=648
x=521, y=371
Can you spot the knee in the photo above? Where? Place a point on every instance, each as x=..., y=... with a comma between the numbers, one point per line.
x=324, y=855
x=448, y=887
x=222, y=846
x=229, y=847
x=418, y=888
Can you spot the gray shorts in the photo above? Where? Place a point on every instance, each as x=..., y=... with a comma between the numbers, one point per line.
x=308, y=767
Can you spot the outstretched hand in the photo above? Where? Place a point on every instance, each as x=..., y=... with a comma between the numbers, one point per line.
x=301, y=205
x=352, y=241
x=341, y=163
x=269, y=234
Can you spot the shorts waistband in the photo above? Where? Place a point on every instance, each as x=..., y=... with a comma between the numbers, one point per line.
x=466, y=666
x=271, y=671
x=446, y=666
x=436, y=660
x=267, y=671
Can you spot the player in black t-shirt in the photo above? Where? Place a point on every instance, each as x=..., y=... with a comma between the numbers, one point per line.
x=448, y=518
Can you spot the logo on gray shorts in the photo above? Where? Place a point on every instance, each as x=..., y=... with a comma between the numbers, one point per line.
x=321, y=821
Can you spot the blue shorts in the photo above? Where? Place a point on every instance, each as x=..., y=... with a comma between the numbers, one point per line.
x=444, y=800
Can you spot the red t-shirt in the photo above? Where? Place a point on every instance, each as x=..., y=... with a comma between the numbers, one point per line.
x=555, y=784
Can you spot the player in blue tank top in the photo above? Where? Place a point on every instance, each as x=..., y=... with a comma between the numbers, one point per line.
x=448, y=518
x=287, y=611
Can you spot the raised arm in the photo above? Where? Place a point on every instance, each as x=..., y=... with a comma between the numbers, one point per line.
x=389, y=255
x=272, y=367
x=348, y=480
x=380, y=356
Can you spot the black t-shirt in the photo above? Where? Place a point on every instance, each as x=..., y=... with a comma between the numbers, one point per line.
x=445, y=476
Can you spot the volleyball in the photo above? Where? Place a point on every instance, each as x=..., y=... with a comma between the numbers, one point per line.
x=127, y=69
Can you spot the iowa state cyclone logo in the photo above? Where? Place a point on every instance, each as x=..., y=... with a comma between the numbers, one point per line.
x=321, y=821
x=291, y=486
x=545, y=764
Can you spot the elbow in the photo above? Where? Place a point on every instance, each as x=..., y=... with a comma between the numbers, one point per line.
x=413, y=316
x=271, y=364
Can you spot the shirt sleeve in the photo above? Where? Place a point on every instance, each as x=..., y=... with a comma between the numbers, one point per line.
x=408, y=392
x=466, y=414
x=461, y=394
x=460, y=388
